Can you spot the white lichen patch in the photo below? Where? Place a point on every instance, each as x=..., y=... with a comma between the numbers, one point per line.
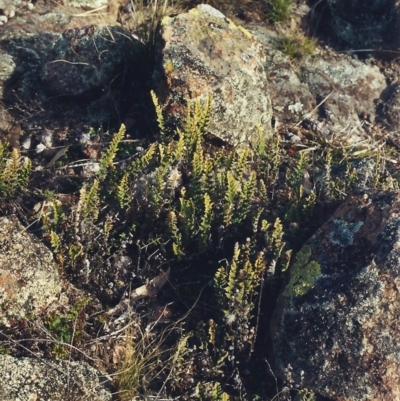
x=29, y=280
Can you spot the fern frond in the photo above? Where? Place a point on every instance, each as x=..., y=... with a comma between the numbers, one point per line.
x=14, y=171
x=188, y=128
x=263, y=192
x=122, y=192
x=156, y=191
x=241, y=164
x=144, y=160
x=55, y=241
x=220, y=283
x=180, y=146
x=205, y=115
x=187, y=216
x=176, y=235
x=58, y=214
x=233, y=270
x=277, y=235
x=25, y=172
x=205, y=225
x=245, y=198
x=90, y=201
x=327, y=175
x=198, y=162
x=218, y=394
x=107, y=157
x=10, y=173
x=160, y=118
x=208, y=178
x=232, y=190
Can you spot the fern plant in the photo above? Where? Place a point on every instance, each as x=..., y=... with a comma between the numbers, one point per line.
x=14, y=171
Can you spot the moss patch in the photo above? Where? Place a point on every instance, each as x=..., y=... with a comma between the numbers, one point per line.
x=302, y=274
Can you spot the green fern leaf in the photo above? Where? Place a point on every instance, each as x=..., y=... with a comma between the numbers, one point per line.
x=122, y=192
x=205, y=225
x=160, y=118
x=107, y=157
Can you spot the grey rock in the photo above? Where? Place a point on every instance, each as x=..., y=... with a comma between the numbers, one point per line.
x=367, y=24
x=335, y=89
x=337, y=319
x=348, y=90
x=84, y=61
x=199, y=53
x=29, y=279
x=23, y=379
x=391, y=107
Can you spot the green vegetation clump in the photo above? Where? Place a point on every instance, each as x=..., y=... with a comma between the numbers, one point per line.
x=297, y=46
x=14, y=171
x=223, y=221
x=279, y=10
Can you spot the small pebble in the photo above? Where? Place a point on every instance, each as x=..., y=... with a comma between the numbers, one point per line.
x=9, y=12
x=40, y=148
x=30, y=6
x=3, y=19
x=90, y=168
x=47, y=139
x=26, y=143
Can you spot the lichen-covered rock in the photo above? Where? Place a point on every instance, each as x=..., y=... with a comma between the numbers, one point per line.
x=32, y=379
x=335, y=90
x=391, y=107
x=346, y=89
x=84, y=61
x=291, y=98
x=336, y=326
x=367, y=24
x=202, y=53
x=29, y=279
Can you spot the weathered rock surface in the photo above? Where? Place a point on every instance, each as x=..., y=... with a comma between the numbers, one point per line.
x=32, y=379
x=60, y=66
x=29, y=279
x=367, y=24
x=345, y=89
x=391, y=107
x=336, y=326
x=83, y=63
x=202, y=53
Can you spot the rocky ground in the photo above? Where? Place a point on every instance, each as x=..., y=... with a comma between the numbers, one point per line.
x=118, y=259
